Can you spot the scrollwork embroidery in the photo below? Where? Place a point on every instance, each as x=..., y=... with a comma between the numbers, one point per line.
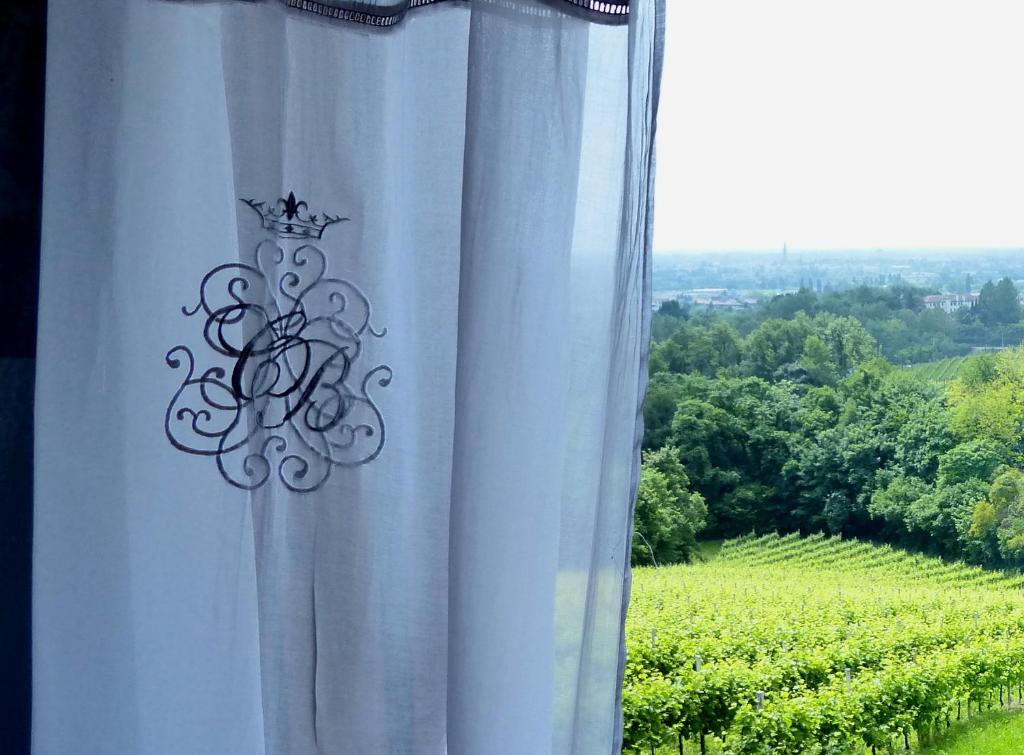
x=290, y=389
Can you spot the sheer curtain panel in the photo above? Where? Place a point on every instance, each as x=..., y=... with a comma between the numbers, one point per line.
x=341, y=351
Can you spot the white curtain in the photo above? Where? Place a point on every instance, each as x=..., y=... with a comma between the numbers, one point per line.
x=341, y=345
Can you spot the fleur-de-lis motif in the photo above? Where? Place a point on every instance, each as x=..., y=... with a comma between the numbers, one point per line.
x=292, y=207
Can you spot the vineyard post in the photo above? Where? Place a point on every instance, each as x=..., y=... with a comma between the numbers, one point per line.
x=654, y=638
x=760, y=701
x=849, y=675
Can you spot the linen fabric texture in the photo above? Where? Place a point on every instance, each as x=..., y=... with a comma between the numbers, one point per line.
x=341, y=352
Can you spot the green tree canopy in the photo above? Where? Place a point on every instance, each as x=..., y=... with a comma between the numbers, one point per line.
x=668, y=514
x=998, y=304
x=975, y=459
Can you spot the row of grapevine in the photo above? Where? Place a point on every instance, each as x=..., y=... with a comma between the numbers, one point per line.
x=815, y=645
x=818, y=552
x=942, y=370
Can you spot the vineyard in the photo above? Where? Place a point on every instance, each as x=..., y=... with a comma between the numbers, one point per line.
x=816, y=645
x=940, y=371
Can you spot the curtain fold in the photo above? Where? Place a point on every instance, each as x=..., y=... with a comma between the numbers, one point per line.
x=341, y=347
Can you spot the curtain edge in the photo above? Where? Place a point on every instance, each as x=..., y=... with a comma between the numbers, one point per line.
x=654, y=96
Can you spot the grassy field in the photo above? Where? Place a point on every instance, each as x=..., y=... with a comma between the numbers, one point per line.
x=797, y=646
x=998, y=733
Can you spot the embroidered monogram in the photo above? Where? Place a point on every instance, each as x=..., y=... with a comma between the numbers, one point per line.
x=288, y=388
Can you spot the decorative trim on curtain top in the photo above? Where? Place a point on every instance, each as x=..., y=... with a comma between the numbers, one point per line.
x=374, y=14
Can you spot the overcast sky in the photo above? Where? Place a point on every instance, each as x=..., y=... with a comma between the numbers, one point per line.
x=841, y=124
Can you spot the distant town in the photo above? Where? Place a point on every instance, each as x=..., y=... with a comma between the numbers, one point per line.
x=731, y=281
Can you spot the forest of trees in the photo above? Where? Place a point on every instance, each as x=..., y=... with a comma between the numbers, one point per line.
x=905, y=332
x=800, y=417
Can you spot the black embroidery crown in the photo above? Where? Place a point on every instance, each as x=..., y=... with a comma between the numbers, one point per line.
x=289, y=218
